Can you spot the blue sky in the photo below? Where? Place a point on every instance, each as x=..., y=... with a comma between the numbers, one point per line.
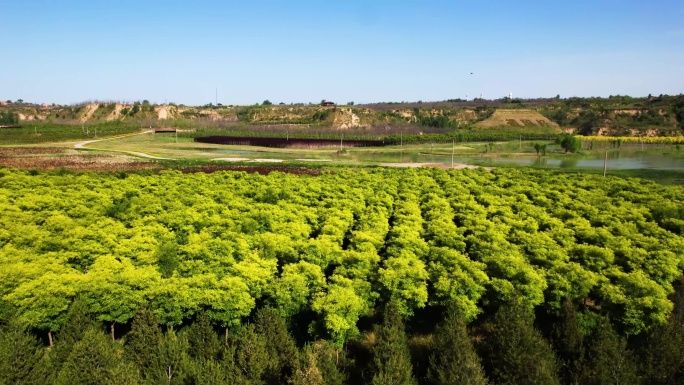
x=361, y=51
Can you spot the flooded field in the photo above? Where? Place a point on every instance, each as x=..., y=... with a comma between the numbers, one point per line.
x=489, y=154
x=617, y=159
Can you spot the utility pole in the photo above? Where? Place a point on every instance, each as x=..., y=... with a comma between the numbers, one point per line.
x=341, y=137
x=605, y=164
x=453, y=148
x=401, y=146
x=216, y=96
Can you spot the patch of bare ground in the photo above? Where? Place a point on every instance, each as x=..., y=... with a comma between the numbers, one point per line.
x=517, y=118
x=116, y=114
x=19, y=151
x=89, y=111
x=457, y=166
x=78, y=163
x=263, y=170
x=411, y=165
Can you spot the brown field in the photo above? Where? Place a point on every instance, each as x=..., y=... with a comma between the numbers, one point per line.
x=19, y=151
x=78, y=163
x=263, y=170
x=44, y=159
x=516, y=118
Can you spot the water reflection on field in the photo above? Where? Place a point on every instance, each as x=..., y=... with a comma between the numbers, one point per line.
x=617, y=159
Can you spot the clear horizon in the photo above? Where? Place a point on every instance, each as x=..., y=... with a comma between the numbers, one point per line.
x=305, y=51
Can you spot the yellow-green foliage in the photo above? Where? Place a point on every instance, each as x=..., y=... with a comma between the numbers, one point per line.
x=635, y=139
x=339, y=244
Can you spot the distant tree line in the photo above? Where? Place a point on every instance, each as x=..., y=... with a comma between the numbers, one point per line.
x=619, y=113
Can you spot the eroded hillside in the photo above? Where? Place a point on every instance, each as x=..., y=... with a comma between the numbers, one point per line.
x=588, y=116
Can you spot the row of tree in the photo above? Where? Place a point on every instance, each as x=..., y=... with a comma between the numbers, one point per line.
x=505, y=347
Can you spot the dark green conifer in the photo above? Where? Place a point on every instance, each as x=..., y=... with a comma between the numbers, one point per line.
x=568, y=341
x=172, y=363
x=662, y=356
x=20, y=353
x=607, y=360
x=391, y=355
x=203, y=341
x=246, y=358
x=516, y=351
x=210, y=372
x=455, y=360
x=307, y=371
x=319, y=364
x=331, y=362
x=282, y=350
x=93, y=360
x=77, y=323
x=143, y=342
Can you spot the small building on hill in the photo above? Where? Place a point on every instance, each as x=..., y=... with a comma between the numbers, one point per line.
x=328, y=103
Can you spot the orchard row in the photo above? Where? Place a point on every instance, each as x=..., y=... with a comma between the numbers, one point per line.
x=337, y=246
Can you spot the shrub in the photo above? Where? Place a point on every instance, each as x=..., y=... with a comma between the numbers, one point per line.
x=569, y=143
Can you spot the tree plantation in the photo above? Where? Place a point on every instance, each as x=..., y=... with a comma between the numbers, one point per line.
x=383, y=276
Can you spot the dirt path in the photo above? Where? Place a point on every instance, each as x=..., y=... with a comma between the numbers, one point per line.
x=82, y=145
x=141, y=154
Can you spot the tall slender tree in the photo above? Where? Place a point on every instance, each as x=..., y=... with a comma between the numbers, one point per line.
x=20, y=353
x=143, y=342
x=608, y=361
x=77, y=323
x=516, y=351
x=455, y=360
x=203, y=341
x=246, y=358
x=319, y=364
x=281, y=346
x=662, y=356
x=391, y=355
x=172, y=363
x=568, y=342
x=93, y=360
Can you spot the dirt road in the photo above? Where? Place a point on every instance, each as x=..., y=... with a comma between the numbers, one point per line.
x=82, y=145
